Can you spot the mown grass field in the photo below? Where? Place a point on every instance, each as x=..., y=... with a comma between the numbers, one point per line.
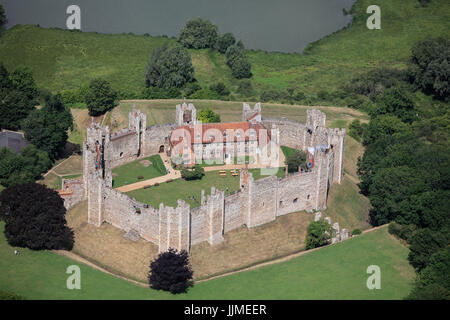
x=65, y=60
x=129, y=173
x=334, y=272
x=169, y=192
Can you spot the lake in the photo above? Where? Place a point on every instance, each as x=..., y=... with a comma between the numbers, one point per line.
x=282, y=25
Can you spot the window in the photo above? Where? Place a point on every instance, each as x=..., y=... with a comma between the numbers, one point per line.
x=295, y=200
x=307, y=197
x=121, y=154
x=281, y=204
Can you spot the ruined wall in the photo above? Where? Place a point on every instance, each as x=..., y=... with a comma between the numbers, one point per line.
x=157, y=136
x=297, y=192
x=256, y=203
x=72, y=192
x=292, y=133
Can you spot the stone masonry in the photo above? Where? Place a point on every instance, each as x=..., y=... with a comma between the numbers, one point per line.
x=255, y=203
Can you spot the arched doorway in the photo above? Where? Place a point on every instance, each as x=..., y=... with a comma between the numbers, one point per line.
x=161, y=149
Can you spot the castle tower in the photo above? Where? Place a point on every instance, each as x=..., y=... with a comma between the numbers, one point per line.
x=137, y=122
x=96, y=170
x=321, y=166
x=186, y=114
x=251, y=114
x=337, y=144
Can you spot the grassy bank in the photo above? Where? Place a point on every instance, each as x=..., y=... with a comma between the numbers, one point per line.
x=335, y=272
x=65, y=60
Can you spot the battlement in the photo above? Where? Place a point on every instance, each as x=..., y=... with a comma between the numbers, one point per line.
x=256, y=202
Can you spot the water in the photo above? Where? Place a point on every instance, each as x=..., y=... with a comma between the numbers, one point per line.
x=282, y=25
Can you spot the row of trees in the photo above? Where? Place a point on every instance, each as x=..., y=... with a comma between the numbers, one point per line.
x=404, y=170
x=45, y=127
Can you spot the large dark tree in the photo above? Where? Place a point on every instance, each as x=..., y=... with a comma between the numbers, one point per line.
x=198, y=34
x=171, y=271
x=430, y=66
x=34, y=218
x=169, y=67
x=46, y=128
x=100, y=97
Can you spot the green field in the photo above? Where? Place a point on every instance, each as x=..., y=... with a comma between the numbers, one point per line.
x=334, y=272
x=65, y=60
x=169, y=192
x=129, y=173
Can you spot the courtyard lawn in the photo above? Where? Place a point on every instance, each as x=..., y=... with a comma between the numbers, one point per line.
x=129, y=173
x=334, y=272
x=169, y=192
x=287, y=151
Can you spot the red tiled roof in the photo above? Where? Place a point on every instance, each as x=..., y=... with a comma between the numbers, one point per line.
x=217, y=129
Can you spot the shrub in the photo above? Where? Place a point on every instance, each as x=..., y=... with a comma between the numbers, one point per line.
x=356, y=232
x=100, y=97
x=158, y=93
x=206, y=115
x=171, y=271
x=356, y=129
x=198, y=34
x=34, y=218
x=224, y=41
x=241, y=68
x=220, y=89
x=156, y=184
x=195, y=173
x=205, y=94
x=245, y=87
x=318, y=234
x=430, y=68
x=169, y=67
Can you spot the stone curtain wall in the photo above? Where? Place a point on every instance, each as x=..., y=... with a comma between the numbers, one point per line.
x=256, y=203
x=74, y=192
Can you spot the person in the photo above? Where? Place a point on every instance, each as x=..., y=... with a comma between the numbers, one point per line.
x=16, y=252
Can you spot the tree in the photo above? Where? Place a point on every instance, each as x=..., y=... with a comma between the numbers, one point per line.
x=233, y=53
x=46, y=128
x=391, y=194
x=241, y=68
x=22, y=80
x=430, y=66
x=100, y=97
x=17, y=97
x=194, y=173
x=224, y=41
x=34, y=218
x=433, y=282
x=3, y=19
x=169, y=67
x=171, y=271
x=296, y=159
x=382, y=126
x=424, y=243
x=206, y=115
x=318, y=234
x=22, y=168
x=220, y=89
x=396, y=101
x=198, y=34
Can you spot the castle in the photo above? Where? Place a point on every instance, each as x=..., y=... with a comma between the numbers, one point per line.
x=256, y=202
